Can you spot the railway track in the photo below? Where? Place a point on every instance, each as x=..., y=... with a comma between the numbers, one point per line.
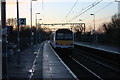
x=90, y=67
x=99, y=60
x=88, y=70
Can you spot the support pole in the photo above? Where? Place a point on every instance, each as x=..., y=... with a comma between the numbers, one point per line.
x=31, y=21
x=18, y=34
x=4, y=40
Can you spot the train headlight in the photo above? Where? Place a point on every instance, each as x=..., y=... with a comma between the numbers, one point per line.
x=70, y=44
x=56, y=43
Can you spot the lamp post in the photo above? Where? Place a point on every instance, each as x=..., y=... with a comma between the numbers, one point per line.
x=18, y=34
x=94, y=30
x=118, y=6
x=39, y=20
x=31, y=19
x=80, y=20
x=118, y=12
x=36, y=19
x=39, y=33
x=81, y=31
x=36, y=26
x=93, y=20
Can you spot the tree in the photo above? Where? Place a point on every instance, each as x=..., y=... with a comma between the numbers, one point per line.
x=11, y=22
x=111, y=33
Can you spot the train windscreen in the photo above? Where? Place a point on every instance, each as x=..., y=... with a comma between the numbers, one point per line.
x=62, y=36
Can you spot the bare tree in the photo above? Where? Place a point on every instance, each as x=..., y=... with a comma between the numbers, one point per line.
x=11, y=22
x=111, y=30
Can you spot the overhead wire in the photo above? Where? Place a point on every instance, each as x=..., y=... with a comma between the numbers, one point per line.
x=105, y=19
x=86, y=9
x=100, y=9
x=71, y=9
x=104, y=7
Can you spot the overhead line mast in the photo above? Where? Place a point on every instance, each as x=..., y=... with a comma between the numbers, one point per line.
x=118, y=6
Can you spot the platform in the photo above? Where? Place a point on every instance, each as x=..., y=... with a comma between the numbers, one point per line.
x=54, y=67
x=38, y=62
x=112, y=49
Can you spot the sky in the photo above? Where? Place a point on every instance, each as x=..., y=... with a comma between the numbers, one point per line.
x=55, y=11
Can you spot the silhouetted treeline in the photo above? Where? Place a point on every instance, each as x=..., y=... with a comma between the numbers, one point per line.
x=109, y=33
x=111, y=30
x=38, y=36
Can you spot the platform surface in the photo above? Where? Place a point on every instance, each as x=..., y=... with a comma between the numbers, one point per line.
x=107, y=48
x=38, y=62
x=53, y=67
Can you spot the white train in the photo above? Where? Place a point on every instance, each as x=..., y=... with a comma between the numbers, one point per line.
x=62, y=38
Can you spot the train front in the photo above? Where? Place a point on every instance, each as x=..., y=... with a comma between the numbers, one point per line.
x=64, y=39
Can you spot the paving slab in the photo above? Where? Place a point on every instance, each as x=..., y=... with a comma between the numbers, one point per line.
x=38, y=62
x=22, y=71
x=53, y=68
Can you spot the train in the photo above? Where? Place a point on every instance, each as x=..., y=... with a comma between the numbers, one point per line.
x=62, y=39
